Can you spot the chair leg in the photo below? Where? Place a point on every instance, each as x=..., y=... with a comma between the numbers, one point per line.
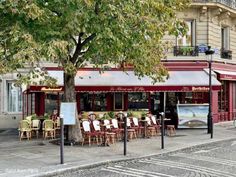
x=21, y=135
x=97, y=140
x=89, y=140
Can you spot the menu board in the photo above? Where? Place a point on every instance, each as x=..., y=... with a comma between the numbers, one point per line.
x=69, y=112
x=192, y=115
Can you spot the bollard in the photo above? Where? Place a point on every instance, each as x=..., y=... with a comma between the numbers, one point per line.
x=162, y=129
x=125, y=134
x=62, y=139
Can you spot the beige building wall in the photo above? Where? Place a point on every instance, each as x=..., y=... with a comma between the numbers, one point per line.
x=7, y=119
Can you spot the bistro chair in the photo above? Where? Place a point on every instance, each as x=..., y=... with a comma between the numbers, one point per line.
x=97, y=129
x=130, y=129
x=87, y=133
x=170, y=130
x=48, y=129
x=139, y=129
x=57, y=125
x=28, y=118
x=24, y=129
x=116, y=129
x=156, y=125
x=35, y=127
x=151, y=130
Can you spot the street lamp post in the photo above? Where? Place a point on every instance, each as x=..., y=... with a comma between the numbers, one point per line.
x=209, y=117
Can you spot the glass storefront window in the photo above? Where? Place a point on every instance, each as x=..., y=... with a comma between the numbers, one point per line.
x=93, y=102
x=137, y=101
x=100, y=102
x=51, y=102
x=14, y=98
x=86, y=100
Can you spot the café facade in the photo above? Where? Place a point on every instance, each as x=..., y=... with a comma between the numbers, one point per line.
x=119, y=90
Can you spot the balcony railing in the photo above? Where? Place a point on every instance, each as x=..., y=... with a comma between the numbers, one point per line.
x=229, y=3
x=186, y=50
x=226, y=54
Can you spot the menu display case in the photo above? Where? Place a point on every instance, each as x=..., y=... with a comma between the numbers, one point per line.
x=192, y=115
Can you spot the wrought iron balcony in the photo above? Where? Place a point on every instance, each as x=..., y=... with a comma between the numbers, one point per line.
x=186, y=50
x=226, y=54
x=228, y=3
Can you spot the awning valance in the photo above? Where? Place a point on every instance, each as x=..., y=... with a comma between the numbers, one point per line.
x=226, y=75
x=119, y=81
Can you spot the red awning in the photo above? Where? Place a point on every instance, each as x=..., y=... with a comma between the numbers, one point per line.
x=119, y=81
x=226, y=75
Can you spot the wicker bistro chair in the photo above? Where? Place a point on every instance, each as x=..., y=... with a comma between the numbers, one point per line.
x=115, y=128
x=139, y=128
x=98, y=130
x=112, y=134
x=48, y=129
x=131, y=131
x=24, y=129
x=57, y=125
x=87, y=133
x=35, y=126
x=151, y=130
x=156, y=125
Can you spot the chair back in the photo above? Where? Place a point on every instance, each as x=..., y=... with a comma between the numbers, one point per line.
x=36, y=123
x=48, y=124
x=57, y=122
x=115, y=123
x=148, y=121
x=24, y=125
x=107, y=124
x=128, y=122
x=28, y=118
x=86, y=126
x=96, y=125
x=135, y=121
x=153, y=118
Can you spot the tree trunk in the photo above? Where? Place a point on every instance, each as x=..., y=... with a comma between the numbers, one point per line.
x=74, y=131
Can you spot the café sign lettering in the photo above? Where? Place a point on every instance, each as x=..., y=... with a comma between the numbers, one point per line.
x=45, y=89
x=200, y=89
x=127, y=89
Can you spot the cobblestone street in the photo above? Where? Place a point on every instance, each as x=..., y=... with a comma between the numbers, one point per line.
x=216, y=160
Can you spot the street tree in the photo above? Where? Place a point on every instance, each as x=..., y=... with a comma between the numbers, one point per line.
x=75, y=32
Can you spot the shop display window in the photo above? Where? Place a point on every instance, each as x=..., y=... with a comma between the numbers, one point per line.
x=137, y=101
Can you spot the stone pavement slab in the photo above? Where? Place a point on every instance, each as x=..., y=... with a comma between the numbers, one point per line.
x=41, y=158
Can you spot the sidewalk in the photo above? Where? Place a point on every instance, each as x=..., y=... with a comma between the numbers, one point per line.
x=41, y=158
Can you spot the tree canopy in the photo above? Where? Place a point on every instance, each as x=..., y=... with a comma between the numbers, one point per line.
x=73, y=32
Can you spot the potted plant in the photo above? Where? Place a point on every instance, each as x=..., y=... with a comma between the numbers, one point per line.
x=34, y=117
x=143, y=115
x=111, y=114
x=129, y=114
x=46, y=116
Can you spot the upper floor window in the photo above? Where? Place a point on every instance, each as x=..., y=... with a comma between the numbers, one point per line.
x=189, y=38
x=14, y=98
x=225, y=38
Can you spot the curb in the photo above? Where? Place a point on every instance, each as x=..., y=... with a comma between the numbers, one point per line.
x=107, y=162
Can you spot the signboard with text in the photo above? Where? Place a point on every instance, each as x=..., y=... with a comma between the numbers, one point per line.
x=69, y=112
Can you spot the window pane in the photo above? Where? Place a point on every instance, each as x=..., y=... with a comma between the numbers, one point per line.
x=137, y=101
x=14, y=98
x=187, y=39
x=51, y=102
